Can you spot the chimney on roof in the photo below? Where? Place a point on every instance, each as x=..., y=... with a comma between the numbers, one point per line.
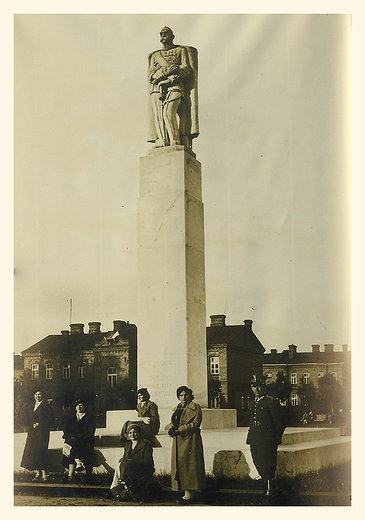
x=315, y=349
x=345, y=347
x=217, y=320
x=328, y=347
x=248, y=324
x=273, y=351
x=65, y=332
x=119, y=325
x=94, y=327
x=292, y=351
x=77, y=328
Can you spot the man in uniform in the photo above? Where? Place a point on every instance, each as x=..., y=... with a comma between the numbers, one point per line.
x=172, y=76
x=265, y=432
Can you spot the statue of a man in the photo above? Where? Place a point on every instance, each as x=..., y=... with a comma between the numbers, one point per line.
x=173, y=74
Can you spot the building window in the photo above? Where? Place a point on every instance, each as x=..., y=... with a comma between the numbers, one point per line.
x=35, y=371
x=112, y=376
x=66, y=369
x=306, y=378
x=49, y=370
x=334, y=375
x=214, y=365
x=294, y=400
x=82, y=370
x=319, y=375
x=293, y=378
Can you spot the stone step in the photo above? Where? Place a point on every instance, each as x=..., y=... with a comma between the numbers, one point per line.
x=303, y=457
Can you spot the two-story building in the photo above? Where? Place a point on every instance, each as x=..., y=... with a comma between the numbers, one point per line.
x=234, y=354
x=99, y=367
x=307, y=367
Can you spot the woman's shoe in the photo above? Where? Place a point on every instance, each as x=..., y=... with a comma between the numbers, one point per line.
x=185, y=501
x=37, y=478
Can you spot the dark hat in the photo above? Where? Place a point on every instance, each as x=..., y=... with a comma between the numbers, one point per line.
x=144, y=392
x=185, y=389
x=258, y=380
x=134, y=426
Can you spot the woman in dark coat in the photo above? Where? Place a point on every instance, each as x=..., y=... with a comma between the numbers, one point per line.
x=35, y=453
x=135, y=468
x=78, y=432
x=187, y=456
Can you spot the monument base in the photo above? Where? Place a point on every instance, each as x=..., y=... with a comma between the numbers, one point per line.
x=213, y=418
x=171, y=276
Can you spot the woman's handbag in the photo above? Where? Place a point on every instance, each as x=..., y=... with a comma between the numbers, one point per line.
x=66, y=450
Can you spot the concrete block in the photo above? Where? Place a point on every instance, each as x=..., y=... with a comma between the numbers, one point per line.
x=218, y=418
x=230, y=464
x=312, y=456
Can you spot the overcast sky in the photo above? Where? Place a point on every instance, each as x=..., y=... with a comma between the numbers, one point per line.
x=274, y=104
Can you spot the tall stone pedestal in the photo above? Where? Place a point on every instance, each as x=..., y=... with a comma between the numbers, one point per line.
x=171, y=276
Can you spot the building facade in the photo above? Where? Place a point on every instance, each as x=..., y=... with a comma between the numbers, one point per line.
x=99, y=367
x=234, y=354
x=305, y=368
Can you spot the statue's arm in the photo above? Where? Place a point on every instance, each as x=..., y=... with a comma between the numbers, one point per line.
x=184, y=69
x=158, y=73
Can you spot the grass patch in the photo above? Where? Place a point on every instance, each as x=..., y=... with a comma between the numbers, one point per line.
x=336, y=479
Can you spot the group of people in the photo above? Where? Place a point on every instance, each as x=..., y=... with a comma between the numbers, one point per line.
x=78, y=434
x=133, y=474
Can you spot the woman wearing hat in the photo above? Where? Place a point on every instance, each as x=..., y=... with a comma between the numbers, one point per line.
x=187, y=456
x=135, y=468
x=265, y=432
x=78, y=432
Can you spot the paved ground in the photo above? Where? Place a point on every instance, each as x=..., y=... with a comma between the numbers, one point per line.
x=63, y=496
x=244, y=500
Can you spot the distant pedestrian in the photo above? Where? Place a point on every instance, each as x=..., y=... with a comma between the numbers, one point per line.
x=265, y=433
x=78, y=431
x=187, y=456
x=305, y=418
x=40, y=421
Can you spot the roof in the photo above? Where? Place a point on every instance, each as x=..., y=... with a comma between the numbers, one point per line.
x=234, y=335
x=306, y=357
x=78, y=342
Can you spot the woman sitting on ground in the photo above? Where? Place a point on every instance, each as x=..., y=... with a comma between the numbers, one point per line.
x=78, y=432
x=135, y=468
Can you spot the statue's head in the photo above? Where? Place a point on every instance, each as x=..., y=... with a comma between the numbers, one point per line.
x=166, y=35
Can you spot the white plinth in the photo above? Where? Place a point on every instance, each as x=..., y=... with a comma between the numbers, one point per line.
x=171, y=276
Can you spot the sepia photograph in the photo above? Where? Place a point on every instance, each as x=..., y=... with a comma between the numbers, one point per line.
x=182, y=259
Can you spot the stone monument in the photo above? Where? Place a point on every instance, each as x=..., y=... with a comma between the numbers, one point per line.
x=170, y=230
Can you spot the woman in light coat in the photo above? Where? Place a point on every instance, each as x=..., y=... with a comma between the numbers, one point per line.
x=187, y=456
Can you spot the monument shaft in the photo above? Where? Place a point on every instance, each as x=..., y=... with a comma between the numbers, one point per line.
x=171, y=276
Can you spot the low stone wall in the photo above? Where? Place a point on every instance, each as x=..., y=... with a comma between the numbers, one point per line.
x=226, y=452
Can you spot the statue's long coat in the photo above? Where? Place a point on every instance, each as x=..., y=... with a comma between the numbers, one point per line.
x=187, y=456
